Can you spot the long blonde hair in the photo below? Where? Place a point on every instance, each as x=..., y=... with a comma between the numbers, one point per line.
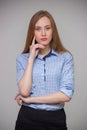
x=56, y=43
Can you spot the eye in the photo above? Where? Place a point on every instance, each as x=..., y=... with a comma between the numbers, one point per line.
x=37, y=28
x=47, y=28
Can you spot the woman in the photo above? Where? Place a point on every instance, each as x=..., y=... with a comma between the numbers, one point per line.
x=44, y=77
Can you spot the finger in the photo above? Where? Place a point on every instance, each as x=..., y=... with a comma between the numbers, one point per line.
x=33, y=41
x=19, y=101
x=39, y=46
x=16, y=96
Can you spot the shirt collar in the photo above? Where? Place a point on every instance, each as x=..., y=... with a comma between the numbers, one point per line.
x=52, y=52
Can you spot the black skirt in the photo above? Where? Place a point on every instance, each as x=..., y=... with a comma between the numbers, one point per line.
x=34, y=119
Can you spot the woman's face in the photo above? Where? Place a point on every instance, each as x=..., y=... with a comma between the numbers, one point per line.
x=43, y=31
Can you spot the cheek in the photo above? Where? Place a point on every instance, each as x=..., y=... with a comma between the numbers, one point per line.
x=36, y=36
x=50, y=36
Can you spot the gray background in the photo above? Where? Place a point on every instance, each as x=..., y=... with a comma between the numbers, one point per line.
x=71, y=20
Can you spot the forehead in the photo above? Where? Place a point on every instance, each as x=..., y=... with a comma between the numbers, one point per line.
x=43, y=21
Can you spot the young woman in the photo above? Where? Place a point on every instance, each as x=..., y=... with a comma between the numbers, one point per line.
x=44, y=76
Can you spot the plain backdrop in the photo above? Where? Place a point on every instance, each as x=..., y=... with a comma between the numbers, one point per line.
x=71, y=20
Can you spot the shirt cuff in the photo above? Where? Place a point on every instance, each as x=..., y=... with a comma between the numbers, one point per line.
x=68, y=93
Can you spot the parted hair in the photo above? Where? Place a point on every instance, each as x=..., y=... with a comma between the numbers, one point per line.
x=56, y=43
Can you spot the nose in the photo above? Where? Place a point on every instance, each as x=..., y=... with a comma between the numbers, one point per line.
x=43, y=32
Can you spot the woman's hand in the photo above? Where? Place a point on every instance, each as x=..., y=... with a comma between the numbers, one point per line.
x=18, y=99
x=21, y=99
x=34, y=49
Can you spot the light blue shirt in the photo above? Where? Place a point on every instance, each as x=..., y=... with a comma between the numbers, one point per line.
x=51, y=74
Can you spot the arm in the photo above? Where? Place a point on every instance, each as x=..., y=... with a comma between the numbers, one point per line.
x=48, y=99
x=67, y=76
x=25, y=82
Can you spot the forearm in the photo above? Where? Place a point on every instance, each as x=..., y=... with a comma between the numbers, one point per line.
x=48, y=99
x=26, y=81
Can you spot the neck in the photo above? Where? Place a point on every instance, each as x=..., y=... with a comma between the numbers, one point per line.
x=44, y=52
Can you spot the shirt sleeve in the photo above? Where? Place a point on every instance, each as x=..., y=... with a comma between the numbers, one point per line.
x=67, y=77
x=19, y=69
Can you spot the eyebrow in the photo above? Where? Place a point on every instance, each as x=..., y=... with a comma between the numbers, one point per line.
x=44, y=26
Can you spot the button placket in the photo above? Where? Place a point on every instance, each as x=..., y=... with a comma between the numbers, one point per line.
x=44, y=72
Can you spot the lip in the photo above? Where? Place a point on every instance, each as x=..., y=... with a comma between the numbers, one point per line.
x=43, y=39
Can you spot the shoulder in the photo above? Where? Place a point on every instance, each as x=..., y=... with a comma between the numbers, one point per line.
x=22, y=60
x=67, y=58
x=22, y=57
x=64, y=56
x=67, y=55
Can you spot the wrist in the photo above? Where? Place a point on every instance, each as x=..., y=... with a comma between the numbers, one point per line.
x=31, y=59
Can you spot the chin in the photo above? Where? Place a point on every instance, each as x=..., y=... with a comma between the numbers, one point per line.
x=44, y=43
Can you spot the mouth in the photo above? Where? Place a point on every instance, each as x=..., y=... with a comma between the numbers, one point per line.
x=43, y=39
